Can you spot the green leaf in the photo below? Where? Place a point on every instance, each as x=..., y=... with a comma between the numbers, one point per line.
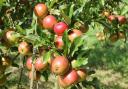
x=32, y=38
x=46, y=74
x=67, y=43
x=79, y=62
x=20, y=30
x=71, y=11
x=47, y=56
x=75, y=45
x=66, y=18
x=2, y=2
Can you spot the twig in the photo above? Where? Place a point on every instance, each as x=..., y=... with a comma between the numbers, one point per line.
x=31, y=81
x=21, y=72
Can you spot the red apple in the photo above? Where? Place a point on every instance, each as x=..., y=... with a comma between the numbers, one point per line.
x=61, y=82
x=24, y=48
x=122, y=19
x=29, y=63
x=60, y=65
x=112, y=18
x=40, y=64
x=71, y=77
x=59, y=42
x=48, y=22
x=73, y=34
x=82, y=74
x=60, y=27
x=41, y=10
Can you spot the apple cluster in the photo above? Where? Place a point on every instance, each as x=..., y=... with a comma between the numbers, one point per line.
x=58, y=65
x=51, y=23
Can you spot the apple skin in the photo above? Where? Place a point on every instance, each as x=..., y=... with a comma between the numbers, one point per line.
x=112, y=18
x=122, y=19
x=59, y=28
x=69, y=78
x=29, y=63
x=40, y=64
x=24, y=48
x=82, y=74
x=41, y=10
x=73, y=34
x=59, y=42
x=57, y=65
x=48, y=22
x=61, y=82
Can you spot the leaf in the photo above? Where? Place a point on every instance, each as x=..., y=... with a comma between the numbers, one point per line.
x=79, y=62
x=2, y=2
x=71, y=11
x=66, y=43
x=32, y=38
x=47, y=56
x=52, y=3
x=20, y=29
x=75, y=45
x=126, y=1
x=15, y=65
x=66, y=18
x=46, y=75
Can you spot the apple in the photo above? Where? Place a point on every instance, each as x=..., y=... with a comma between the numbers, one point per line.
x=41, y=10
x=24, y=48
x=48, y=22
x=59, y=42
x=60, y=27
x=40, y=64
x=82, y=74
x=73, y=34
x=60, y=65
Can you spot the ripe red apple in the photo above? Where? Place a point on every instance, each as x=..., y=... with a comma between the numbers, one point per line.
x=122, y=19
x=41, y=10
x=29, y=63
x=48, y=22
x=73, y=34
x=71, y=77
x=36, y=75
x=60, y=27
x=61, y=82
x=59, y=42
x=24, y=48
x=112, y=18
x=40, y=64
x=11, y=36
x=82, y=74
x=60, y=65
